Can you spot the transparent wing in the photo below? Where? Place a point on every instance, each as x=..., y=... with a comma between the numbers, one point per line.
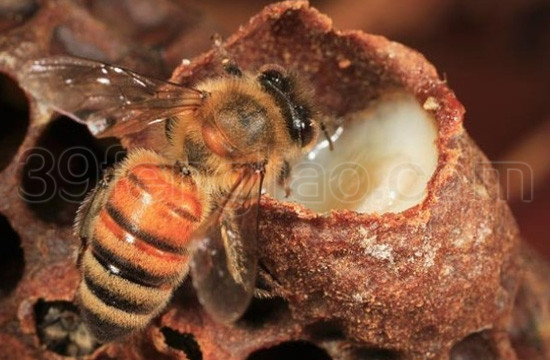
x=109, y=99
x=224, y=248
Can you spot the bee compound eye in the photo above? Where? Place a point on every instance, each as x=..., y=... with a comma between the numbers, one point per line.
x=306, y=132
x=273, y=76
x=303, y=125
x=276, y=79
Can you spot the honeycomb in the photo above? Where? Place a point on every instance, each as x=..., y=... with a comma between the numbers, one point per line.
x=486, y=298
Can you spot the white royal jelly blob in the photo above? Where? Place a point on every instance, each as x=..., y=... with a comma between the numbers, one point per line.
x=382, y=161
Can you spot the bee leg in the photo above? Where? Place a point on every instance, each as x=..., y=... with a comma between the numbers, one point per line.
x=81, y=250
x=284, y=178
x=231, y=68
x=88, y=210
x=229, y=64
x=182, y=169
x=168, y=126
x=327, y=136
x=107, y=177
x=266, y=286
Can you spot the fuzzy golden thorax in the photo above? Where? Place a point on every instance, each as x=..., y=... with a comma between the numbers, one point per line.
x=245, y=120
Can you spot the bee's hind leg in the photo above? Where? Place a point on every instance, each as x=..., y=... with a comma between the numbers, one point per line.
x=88, y=210
x=182, y=168
x=266, y=286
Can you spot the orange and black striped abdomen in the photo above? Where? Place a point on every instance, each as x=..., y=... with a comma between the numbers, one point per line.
x=138, y=251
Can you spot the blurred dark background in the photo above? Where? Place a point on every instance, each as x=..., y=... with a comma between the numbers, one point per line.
x=494, y=54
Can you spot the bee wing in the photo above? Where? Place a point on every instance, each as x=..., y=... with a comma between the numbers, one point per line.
x=224, y=248
x=109, y=99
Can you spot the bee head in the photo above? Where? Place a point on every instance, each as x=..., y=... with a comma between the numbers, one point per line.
x=297, y=113
x=246, y=117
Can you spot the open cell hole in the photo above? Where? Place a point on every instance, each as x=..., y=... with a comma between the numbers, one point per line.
x=14, y=120
x=61, y=330
x=63, y=167
x=474, y=347
x=262, y=311
x=14, y=12
x=12, y=260
x=374, y=354
x=291, y=350
x=326, y=330
x=66, y=40
x=183, y=342
x=153, y=25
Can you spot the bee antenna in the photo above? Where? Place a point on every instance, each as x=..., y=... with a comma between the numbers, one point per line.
x=327, y=136
x=216, y=40
x=229, y=64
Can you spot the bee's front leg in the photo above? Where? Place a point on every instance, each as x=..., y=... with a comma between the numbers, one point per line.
x=284, y=178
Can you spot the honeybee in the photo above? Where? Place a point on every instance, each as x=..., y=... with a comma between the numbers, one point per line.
x=192, y=204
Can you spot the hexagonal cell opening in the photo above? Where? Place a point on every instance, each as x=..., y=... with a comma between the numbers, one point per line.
x=475, y=346
x=61, y=330
x=13, y=13
x=66, y=40
x=264, y=310
x=185, y=342
x=63, y=167
x=291, y=350
x=12, y=260
x=142, y=21
x=374, y=354
x=325, y=330
x=14, y=122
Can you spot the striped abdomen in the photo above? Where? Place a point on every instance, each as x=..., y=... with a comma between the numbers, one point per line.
x=138, y=250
